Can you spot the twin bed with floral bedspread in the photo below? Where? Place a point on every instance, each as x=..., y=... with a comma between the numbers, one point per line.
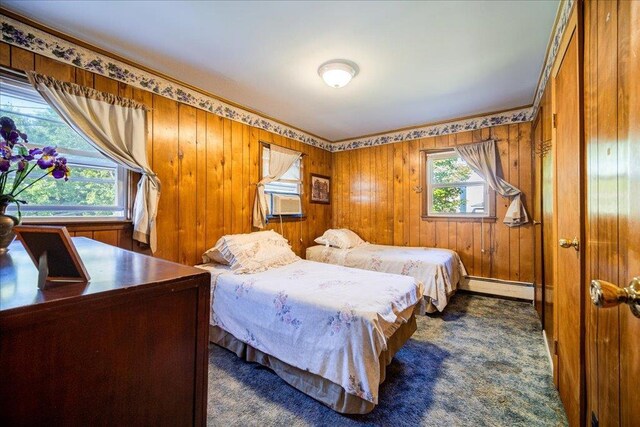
x=328, y=330
x=439, y=270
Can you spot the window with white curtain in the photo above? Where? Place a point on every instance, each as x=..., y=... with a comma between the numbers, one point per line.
x=289, y=183
x=454, y=189
x=97, y=186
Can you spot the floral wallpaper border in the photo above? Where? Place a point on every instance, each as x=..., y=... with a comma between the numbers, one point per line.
x=25, y=36
x=564, y=11
x=507, y=117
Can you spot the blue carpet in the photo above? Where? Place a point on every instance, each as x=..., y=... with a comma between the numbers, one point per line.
x=480, y=363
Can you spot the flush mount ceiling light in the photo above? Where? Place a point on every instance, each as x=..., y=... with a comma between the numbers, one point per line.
x=338, y=72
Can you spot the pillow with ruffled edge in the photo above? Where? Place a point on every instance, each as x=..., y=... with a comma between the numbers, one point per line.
x=220, y=253
x=214, y=255
x=259, y=255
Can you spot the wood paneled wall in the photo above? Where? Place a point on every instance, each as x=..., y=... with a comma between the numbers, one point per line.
x=116, y=234
x=373, y=194
x=612, y=250
x=208, y=166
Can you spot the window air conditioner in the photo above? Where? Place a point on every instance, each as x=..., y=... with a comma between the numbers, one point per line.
x=286, y=205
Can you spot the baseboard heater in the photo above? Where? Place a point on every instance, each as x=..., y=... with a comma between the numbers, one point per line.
x=498, y=287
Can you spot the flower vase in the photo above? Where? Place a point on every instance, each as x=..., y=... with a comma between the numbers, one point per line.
x=7, y=234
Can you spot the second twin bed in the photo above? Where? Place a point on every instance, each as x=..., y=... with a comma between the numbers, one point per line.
x=439, y=270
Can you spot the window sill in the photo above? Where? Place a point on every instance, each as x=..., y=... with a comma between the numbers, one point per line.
x=81, y=224
x=73, y=220
x=286, y=218
x=459, y=218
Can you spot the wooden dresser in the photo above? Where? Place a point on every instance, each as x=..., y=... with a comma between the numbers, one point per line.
x=129, y=348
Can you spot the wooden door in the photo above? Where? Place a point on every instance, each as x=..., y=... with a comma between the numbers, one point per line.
x=548, y=250
x=538, y=262
x=568, y=208
x=612, y=126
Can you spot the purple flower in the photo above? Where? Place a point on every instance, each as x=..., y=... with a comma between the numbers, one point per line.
x=10, y=134
x=31, y=154
x=50, y=151
x=7, y=123
x=13, y=136
x=8, y=130
x=48, y=157
x=5, y=150
x=14, y=152
x=60, y=169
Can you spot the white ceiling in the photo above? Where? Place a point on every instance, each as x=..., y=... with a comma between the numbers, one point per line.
x=419, y=62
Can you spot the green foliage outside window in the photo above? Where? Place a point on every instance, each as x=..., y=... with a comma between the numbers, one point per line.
x=449, y=170
x=87, y=186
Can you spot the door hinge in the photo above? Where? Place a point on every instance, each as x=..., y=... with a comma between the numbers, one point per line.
x=555, y=347
x=554, y=120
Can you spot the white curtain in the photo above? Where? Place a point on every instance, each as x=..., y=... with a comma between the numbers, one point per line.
x=117, y=127
x=482, y=157
x=280, y=160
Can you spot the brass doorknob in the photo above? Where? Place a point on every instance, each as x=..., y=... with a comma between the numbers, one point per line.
x=605, y=294
x=566, y=243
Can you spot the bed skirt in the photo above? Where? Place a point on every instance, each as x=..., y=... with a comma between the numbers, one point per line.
x=429, y=308
x=321, y=389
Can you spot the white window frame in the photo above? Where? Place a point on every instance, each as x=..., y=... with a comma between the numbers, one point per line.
x=430, y=185
x=122, y=176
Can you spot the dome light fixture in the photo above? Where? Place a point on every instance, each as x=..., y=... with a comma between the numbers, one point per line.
x=338, y=72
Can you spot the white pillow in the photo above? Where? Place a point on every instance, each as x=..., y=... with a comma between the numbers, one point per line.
x=214, y=255
x=251, y=252
x=342, y=238
x=259, y=255
x=220, y=254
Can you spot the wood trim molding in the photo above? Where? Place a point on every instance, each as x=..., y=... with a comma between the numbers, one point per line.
x=560, y=27
x=275, y=219
x=570, y=28
x=486, y=219
x=548, y=351
x=549, y=46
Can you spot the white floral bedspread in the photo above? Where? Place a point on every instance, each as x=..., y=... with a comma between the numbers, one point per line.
x=439, y=270
x=330, y=320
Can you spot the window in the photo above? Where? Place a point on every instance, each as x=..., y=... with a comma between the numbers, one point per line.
x=454, y=189
x=290, y=184
x=97, y=185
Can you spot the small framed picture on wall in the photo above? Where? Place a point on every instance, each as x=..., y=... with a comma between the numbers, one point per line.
x=320, y=189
